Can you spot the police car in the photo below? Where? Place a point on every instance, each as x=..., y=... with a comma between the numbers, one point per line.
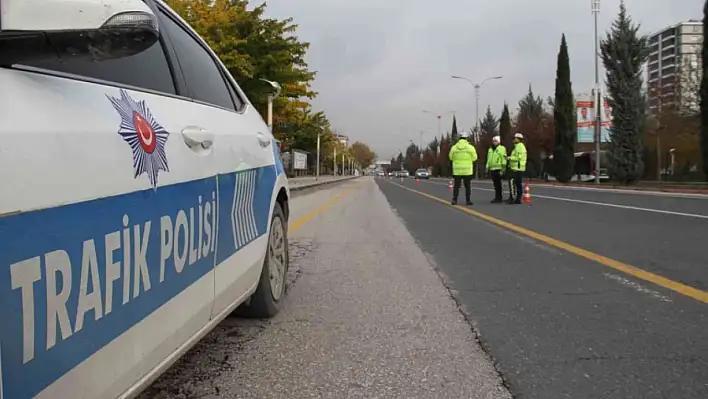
x=143, y=198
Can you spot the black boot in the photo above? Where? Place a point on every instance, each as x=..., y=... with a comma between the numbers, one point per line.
x=496, y=201
x=468, y=202
x=454, y=201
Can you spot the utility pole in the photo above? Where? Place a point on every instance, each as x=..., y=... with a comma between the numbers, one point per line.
x=598, y=95
x=317, y=175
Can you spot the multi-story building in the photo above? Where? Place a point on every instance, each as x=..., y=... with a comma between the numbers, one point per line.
x=673, y=69
x=343, y=139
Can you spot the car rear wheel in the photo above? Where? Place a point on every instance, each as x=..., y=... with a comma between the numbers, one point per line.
x=265, y=301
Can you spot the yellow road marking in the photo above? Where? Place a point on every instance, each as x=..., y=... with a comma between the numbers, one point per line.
x=297, y=224
x=661, y=281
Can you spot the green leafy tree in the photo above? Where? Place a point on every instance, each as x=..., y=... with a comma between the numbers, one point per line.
x=252, y=47
x=564, y=103
x=704, y=95
x=624, y=53
x=505, y=125
x=363, y=154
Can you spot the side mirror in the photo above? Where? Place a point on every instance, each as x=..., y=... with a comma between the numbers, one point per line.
x=97, y=29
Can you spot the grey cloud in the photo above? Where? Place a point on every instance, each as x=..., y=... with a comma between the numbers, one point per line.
x=380, y=63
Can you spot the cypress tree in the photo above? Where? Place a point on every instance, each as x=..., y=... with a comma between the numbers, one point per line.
x=505, y=125
x=453, y=135
x=624, y=53
x=563, y=154
x=704, y=95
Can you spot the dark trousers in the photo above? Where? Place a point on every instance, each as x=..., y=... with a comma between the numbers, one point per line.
x=518, y=181
x=497, y=180
x=456, y=188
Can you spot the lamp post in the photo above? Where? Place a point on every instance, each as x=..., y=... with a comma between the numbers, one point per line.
x=595, y=8
x=438, y=116
x=477, y=94
x=317, y=173
x=477, y=87
x=275, y=87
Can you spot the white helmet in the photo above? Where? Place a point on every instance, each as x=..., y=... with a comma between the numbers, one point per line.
x=464, y=134
x=519, y=136
x=496, y=139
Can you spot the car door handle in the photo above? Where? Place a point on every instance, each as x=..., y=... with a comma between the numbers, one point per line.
x=197, y=138
x=263, y=140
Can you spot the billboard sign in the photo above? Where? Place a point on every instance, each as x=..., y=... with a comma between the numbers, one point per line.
x=586, y=121
x=299, y=160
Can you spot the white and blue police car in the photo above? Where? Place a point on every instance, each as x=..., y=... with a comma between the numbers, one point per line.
x=143, y=198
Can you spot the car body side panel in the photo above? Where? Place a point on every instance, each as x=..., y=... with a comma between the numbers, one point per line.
x=103, y=274
x=246, y=181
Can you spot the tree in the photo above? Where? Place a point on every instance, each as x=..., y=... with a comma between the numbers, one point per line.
x=363, y=154
x=624, y=53
x=488, y=128
x=453, y=135
x=564, y=103
x=704, y=96
x=530, y=107
x=537, y=127
x=505, y=125
x=252, y=47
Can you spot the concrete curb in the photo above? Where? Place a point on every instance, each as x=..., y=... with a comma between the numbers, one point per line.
x=320, y=184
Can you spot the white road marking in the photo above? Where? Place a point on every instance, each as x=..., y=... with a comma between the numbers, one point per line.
x=638, y=287
x=634, y=208
x=616, y=191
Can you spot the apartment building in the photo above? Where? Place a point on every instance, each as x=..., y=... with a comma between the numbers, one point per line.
x=343, y=139
x=673, y=69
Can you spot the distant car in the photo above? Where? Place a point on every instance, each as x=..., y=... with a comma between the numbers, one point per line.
x=422, y=174
x=402, y=173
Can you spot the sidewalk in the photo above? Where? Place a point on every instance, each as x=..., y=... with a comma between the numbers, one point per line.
x=366, y=315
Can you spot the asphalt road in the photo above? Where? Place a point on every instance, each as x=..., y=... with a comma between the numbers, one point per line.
x=583, y=294
x=365, y=316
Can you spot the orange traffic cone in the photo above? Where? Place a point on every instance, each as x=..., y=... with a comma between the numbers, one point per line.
x=417, y=181
x=449, y=185
x=527, y=194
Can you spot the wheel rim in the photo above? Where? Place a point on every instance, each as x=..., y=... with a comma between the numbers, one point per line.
x=277, y=258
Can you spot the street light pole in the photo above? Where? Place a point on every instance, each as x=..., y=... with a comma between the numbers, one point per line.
x=477, y=95
x=317, y=175
x=598, y=97
x=271, y=97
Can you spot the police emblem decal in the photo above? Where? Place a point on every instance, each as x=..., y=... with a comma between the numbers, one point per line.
x=146, y=137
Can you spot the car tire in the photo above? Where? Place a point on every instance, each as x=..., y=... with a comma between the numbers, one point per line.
x=266, y=300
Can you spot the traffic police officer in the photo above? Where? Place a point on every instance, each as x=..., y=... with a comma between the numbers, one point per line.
x=463, y=155
x=517, y=164
x=496, y=164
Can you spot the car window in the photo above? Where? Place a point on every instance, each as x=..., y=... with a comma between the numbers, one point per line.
x=203, y=76
x=148, y=69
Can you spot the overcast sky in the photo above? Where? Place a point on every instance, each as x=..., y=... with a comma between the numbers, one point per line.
x=379, y=63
